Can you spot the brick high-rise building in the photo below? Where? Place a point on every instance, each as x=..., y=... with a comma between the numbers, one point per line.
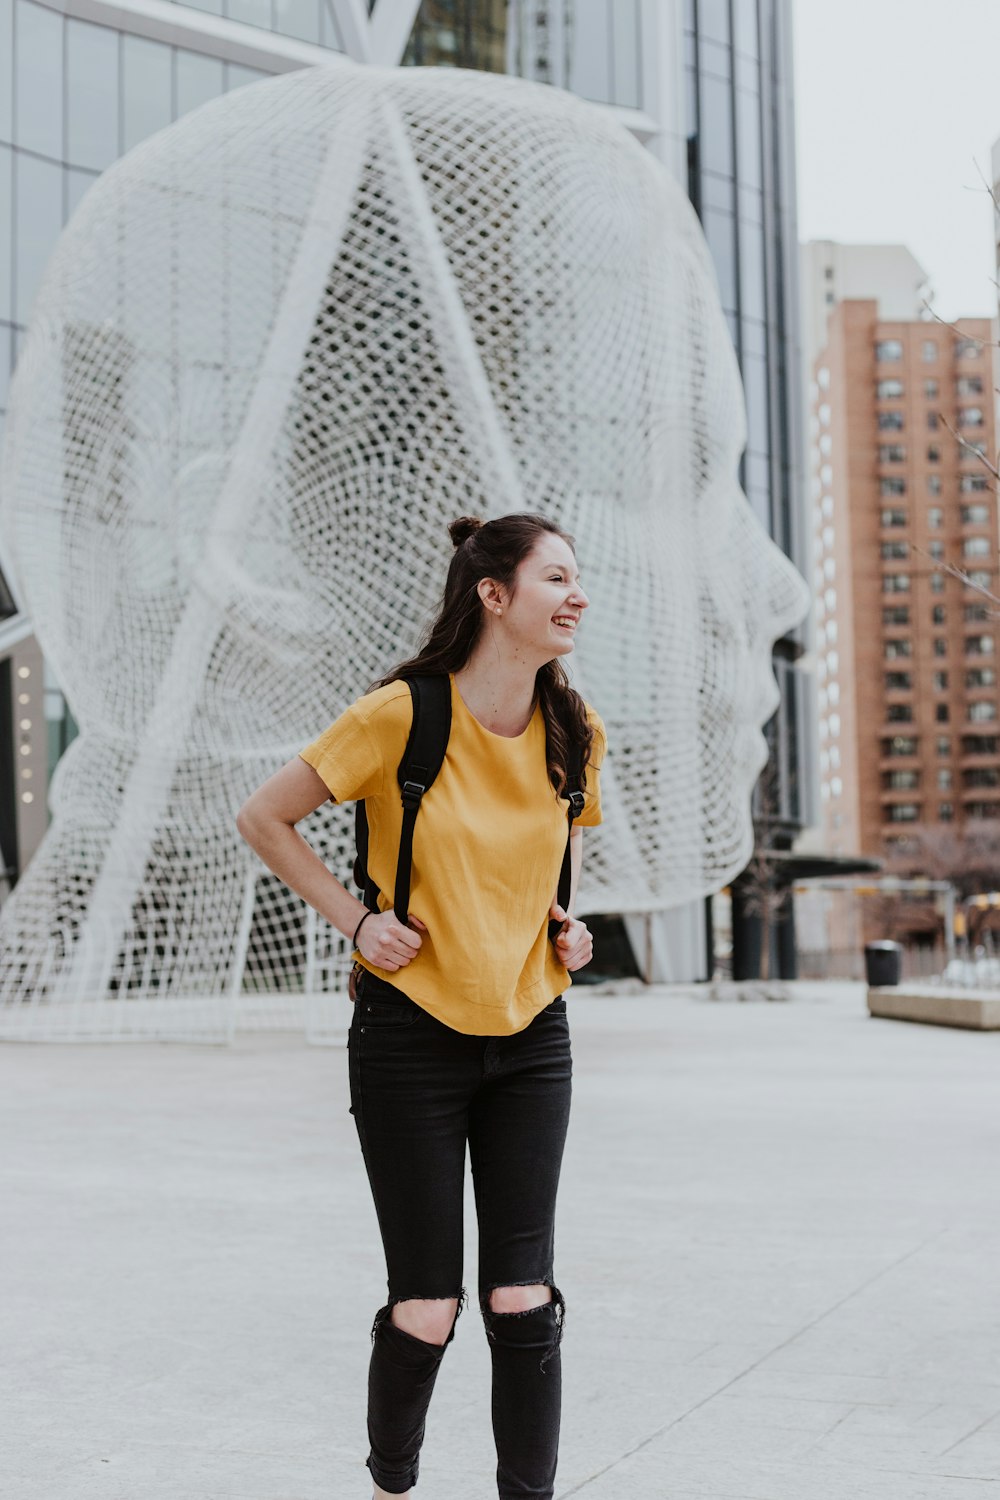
x=907, y=653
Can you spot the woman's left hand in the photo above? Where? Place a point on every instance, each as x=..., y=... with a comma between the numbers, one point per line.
x=573, y=943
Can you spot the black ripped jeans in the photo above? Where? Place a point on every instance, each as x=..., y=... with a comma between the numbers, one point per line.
x=421, y=1092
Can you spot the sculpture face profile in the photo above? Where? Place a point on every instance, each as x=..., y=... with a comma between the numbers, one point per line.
x=278, y=347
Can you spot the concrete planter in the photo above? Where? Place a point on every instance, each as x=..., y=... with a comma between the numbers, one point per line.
x=975, y=1010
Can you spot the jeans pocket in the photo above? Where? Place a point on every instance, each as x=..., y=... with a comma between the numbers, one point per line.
x=558, y=1006
x=380, y=1005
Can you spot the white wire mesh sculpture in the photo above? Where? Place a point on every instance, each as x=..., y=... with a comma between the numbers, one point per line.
x=278, y=347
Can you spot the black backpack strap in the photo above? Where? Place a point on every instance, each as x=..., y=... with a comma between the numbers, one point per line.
x=422, y=760
x=574, y=791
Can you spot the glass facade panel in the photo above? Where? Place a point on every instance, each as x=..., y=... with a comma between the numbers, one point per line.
x=6, y=220
x=5, y=364
x=626, y=49
x=6, y=78
x=213, y=7
x=590, y=52
x=746, y=36
x=38, y=222
x=39, y=90
x=749, y=138
x=720, y=231
x=250, y=12
x=237, y=76
x=716, y=130
x=198, y=80
x=298, y=18
x=752, y=287
x=147, y=104
x=713, y=20
x=91, y=94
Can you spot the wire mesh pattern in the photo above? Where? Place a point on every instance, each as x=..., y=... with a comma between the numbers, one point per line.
x=278, y=347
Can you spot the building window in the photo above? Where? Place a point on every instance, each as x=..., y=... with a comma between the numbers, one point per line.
x=933, y=453
x=980, y=744
x=935, y=516
x=973, y=484
x=892, y=453
x=946, y=812
x=970, y=416
x=903, y=812
x=937, y=614
x=901, y=781
x=890, y=421
x=895, y=614
x=940, y=682
x=978, y=578
x=898, y=682
x=899, y=713
x=979, y=645
x=976, y=546
x=943, y=745
x=900, y=744
x=967, y=349
x=895, y=583
x=968, y=450
x=983, y=810
x=941, y=713
x=888, y=390
x=930, y=390
x=975, y=515
x=944, y=779
x=929, y=351
x=891, y=486
x=895, y=550
x=981, y=776
x=936, y=550
x=887, y=349
x=940, y=646
x=932, y=420
x=981, y=712
x=894, y=518
x=977, y=611
x=937, y=583
x=980, y=677
x=895, y=649
x=969, y=385
x=934, y=484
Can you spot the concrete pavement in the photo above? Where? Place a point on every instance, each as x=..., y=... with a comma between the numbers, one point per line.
x=779, y=1241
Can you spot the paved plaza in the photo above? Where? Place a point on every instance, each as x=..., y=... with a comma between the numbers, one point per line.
x=778, y=1238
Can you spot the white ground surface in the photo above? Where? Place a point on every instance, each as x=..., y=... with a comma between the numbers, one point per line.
x=779, y=1241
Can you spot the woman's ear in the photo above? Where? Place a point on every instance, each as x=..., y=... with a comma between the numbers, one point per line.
x=491, y=595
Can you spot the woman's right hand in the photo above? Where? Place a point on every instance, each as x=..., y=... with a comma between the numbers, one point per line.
x=386, y=943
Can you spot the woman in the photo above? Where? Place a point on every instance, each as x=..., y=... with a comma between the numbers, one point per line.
x=459, y=1036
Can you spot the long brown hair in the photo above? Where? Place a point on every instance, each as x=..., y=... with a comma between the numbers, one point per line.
x=495, y=549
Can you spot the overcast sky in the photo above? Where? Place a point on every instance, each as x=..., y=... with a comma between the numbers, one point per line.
x=896, y=102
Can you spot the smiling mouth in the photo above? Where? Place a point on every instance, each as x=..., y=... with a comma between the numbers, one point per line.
x=564, y=622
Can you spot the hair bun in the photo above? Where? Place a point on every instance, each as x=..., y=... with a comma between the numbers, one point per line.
x=463, y=528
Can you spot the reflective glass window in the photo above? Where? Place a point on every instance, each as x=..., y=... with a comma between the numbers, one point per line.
x=589, y=51
x=6, y=82
x=251, y=12
x=39, y=124
x=746, y=37
x=91, y=94
x=720, y=232
x=147, y=91
x=752, y=287
x=713, y=20
x=298, y=18
x=6, y=220
x=329, y=35
x=237, y=76
x=716, y=126
x=714, y=58
x=756, y=394
x=625, y=43
x=748, y=138
x=199, y=79
x=38, y=221
x=5, y=364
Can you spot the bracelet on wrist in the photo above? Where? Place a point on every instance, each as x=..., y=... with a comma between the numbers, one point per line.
x=354, y=939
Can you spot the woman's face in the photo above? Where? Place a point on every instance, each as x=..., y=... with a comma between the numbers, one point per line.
x=543, y=613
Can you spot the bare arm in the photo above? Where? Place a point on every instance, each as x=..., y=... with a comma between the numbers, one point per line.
x=267, y=822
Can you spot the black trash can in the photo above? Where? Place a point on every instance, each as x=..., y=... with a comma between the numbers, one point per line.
x=883, y=962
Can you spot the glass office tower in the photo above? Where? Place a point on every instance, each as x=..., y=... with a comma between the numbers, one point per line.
x=703, y=84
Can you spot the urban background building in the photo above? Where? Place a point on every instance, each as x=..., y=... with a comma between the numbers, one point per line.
x=706, y=86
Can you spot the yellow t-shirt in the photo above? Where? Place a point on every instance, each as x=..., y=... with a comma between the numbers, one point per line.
x=487, y=850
